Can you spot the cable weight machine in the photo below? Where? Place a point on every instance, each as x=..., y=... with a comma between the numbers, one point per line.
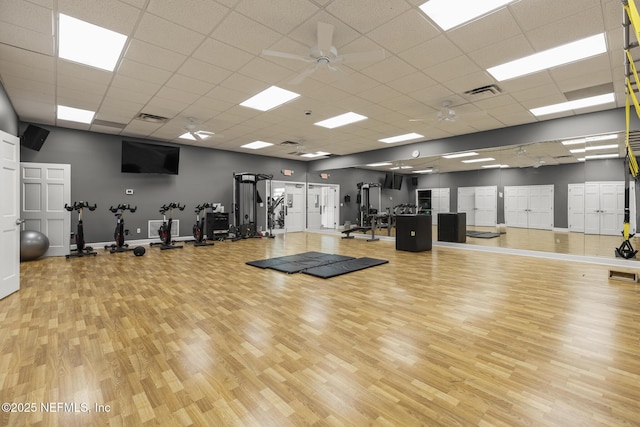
x=245, y=204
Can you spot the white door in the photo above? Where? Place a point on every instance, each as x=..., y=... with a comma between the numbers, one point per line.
x=9, y=209
x=540, y=214
x=330, y=206
x=294, y=207
x=575, y=206
x=440, y=202
x=516, y=203
x=592, y=208
x=486, y=206
x=45, y=190
x=611, y=208
x=467, y=203
x=314, y=206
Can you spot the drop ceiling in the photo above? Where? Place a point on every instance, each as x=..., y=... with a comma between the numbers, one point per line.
x=195, y=61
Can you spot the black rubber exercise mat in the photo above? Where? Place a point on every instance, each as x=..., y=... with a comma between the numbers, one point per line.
x=302, y=264
x=270, y=262
x=343, y=267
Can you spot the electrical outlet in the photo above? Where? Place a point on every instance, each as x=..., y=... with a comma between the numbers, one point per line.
x=138, y=230
x=128, y=191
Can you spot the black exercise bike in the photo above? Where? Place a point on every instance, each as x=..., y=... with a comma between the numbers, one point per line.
x=81, y=249
x=166, y=240
x=198, y=227
x=120, y=231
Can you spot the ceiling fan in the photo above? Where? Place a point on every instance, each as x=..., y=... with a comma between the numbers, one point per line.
x=193, y=133
x=446, y=113
x=324, y=54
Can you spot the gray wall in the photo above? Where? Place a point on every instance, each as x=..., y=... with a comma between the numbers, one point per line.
x=206, y=175
x=8, y=116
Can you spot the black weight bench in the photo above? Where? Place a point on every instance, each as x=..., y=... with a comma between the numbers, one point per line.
x=351, y=230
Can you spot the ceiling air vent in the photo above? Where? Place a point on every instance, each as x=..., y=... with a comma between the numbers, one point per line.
x=289, y=143
x=484, y=90
x=151, y=118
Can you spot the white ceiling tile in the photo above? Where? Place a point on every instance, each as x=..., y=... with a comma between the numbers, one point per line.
x=452, y=69
x=430, y=53
x=222, y=55
x=28, y=16
x=239, y=31
x=539, y=13
x=502, y=51
x=203, y=71
x=154, y=56
x=27, y=39
x=160, y=32
x=482, y=32
x=138, y=70
x=377, y=13
x=405, y=31
x=388, y=70
x=135, y=85
x=176, y=96
x=583, y=23
x=199, y=15
x=262, y=11
x=189, y=85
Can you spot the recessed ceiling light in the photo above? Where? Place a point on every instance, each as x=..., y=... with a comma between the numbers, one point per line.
x=400, y=138
x=270, y=98
x=593, y=148
x=423, y=171
x=601, y=156
x=601, y=137
x=495, y=166
x=375, y=165
x=75, y=114
x=574, y=141
x=448, y=14
x=88, y=44
x=485, y=159
x=341, y=120
x=570, y=52
x=256, y=145
x=574, y=105
x=316, y=154
x=458, y=155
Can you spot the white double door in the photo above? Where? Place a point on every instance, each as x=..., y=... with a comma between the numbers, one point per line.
x=598, y=207
x=529, y=206
x=480, y=204
x=322, y=206
x=292, y=207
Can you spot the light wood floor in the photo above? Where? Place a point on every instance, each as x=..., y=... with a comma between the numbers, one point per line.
x=447, y=337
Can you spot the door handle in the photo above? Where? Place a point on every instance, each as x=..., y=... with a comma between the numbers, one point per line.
x=19, y=221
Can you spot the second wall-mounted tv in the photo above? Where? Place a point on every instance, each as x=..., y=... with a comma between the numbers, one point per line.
x=138, y=157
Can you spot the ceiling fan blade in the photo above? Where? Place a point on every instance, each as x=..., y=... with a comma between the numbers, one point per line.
x=286, y=55
x=325, y=38
x=196, y=136
x=306, y=73
x=374, y=55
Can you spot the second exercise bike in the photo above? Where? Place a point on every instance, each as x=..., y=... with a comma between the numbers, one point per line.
x=120, y=231
x=198, y=227
x=166, y=239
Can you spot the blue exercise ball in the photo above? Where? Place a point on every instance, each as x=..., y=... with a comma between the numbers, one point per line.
x=33, y=244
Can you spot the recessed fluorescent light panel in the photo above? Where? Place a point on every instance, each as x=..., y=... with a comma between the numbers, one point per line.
x=400, y=138
x=341, y=120
x=75, y=114
x=316, y=154
x=601, y=156
x=458, y=155
x=495, y=166
x=570, y=52
x=88, y=44
x=270, y=98
x=486, y=159
x=375, y=165
x=424, y=171
x=593, y=148
x=574, y=141
x=448, y=14
x=574, y=105
x=256, y=145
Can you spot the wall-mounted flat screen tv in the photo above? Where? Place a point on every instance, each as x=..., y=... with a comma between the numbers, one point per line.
x=397, y=182
x=138, y=157
x=388, y=181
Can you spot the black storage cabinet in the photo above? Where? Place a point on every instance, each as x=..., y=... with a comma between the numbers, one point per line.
x=413, y=233
x=452, y=227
